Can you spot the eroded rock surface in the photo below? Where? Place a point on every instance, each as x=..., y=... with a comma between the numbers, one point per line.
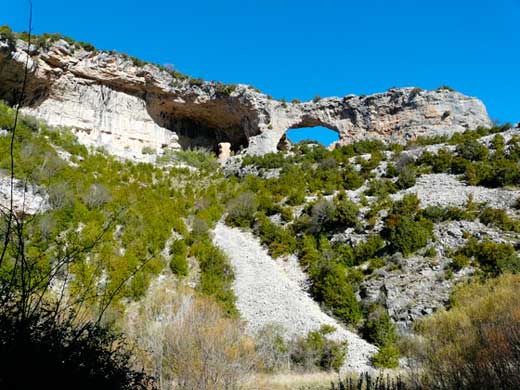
x=417, y=288
x=28, y=199
x=441, y=189
x=126, y=107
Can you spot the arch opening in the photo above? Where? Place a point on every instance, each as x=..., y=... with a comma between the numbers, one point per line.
x=320, y=134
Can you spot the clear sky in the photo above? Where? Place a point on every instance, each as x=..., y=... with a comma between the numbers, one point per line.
x=299, y=49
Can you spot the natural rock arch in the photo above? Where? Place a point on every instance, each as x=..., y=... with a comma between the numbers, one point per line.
x=124, y=107
x=313, y=124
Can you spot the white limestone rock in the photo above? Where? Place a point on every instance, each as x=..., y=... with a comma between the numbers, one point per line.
x=125, y=107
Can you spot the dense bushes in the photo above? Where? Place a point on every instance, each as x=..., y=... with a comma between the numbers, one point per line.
x=241, y=210
x=322, y=216
x=381, y=188
x=331, y=286
x=475, y=344
x=328, y=273
x=407, y=178
x=493, y=258
x=405, y=230
x=479, y=165
x=7, y=34
x=198, y=157
x=128, y=209
x=347, y=211
x=178, y=262
x=472, y=150
x=406, y=235
x=315, y=350
x=499, y=218
x=280, y=240
x=380, y=330
x=216, y=274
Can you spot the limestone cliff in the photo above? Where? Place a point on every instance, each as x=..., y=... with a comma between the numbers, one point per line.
x=111, y=101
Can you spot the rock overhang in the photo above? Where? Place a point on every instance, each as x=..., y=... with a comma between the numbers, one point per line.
x=126, y=106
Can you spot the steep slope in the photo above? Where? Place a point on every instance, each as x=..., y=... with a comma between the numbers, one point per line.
x=126, y=105
x=267, y=295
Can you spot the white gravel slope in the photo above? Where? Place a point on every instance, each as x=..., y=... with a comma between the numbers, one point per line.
x=267, y=294
x=441, y=189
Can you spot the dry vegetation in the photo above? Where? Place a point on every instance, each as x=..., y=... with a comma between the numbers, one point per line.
x=475, y=344
x=188, y=343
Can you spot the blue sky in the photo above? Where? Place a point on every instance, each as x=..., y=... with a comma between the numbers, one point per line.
x=299, y=49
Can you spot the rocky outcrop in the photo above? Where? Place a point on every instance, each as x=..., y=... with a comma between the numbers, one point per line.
x=441, y=189
x=27, y=199
x=111, y=101
x=414, y=287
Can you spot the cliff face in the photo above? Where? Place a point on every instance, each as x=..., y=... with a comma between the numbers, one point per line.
x=110, y=101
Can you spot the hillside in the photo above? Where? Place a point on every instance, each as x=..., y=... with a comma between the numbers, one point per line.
x=282, y=258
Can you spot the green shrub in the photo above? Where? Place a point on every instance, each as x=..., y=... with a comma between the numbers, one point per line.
x=148, y=150
x=368, y=249
x=407, y=235
x=267, y=161
x=281, y=241
x=344, y=254
x=296, y=198
x=352, y=180
x=216, y=274
x=386, y=357
x=499, y=218
x=199, y=158
x=346, y=213
x=242, y=210
x=322, y=216
x=445, y=88
x=316, y=351
x=308, y=252
x=380, y=188
x=225, y=89
x=379, y=328
x=178, y=262
x=430, y=252
x=331, y=286
x=459, y=261
x=7, y=34
x=472, y=150
x=494, y=258
x=407, y=178
x=435, y=214
x=407, y=205
x=391, y=170
x=440, y=162
x=375, y=263
x=498, y=171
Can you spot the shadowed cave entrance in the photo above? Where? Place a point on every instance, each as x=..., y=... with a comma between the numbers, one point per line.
x=204, y=125
x=318, y=134
x=193, y=135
